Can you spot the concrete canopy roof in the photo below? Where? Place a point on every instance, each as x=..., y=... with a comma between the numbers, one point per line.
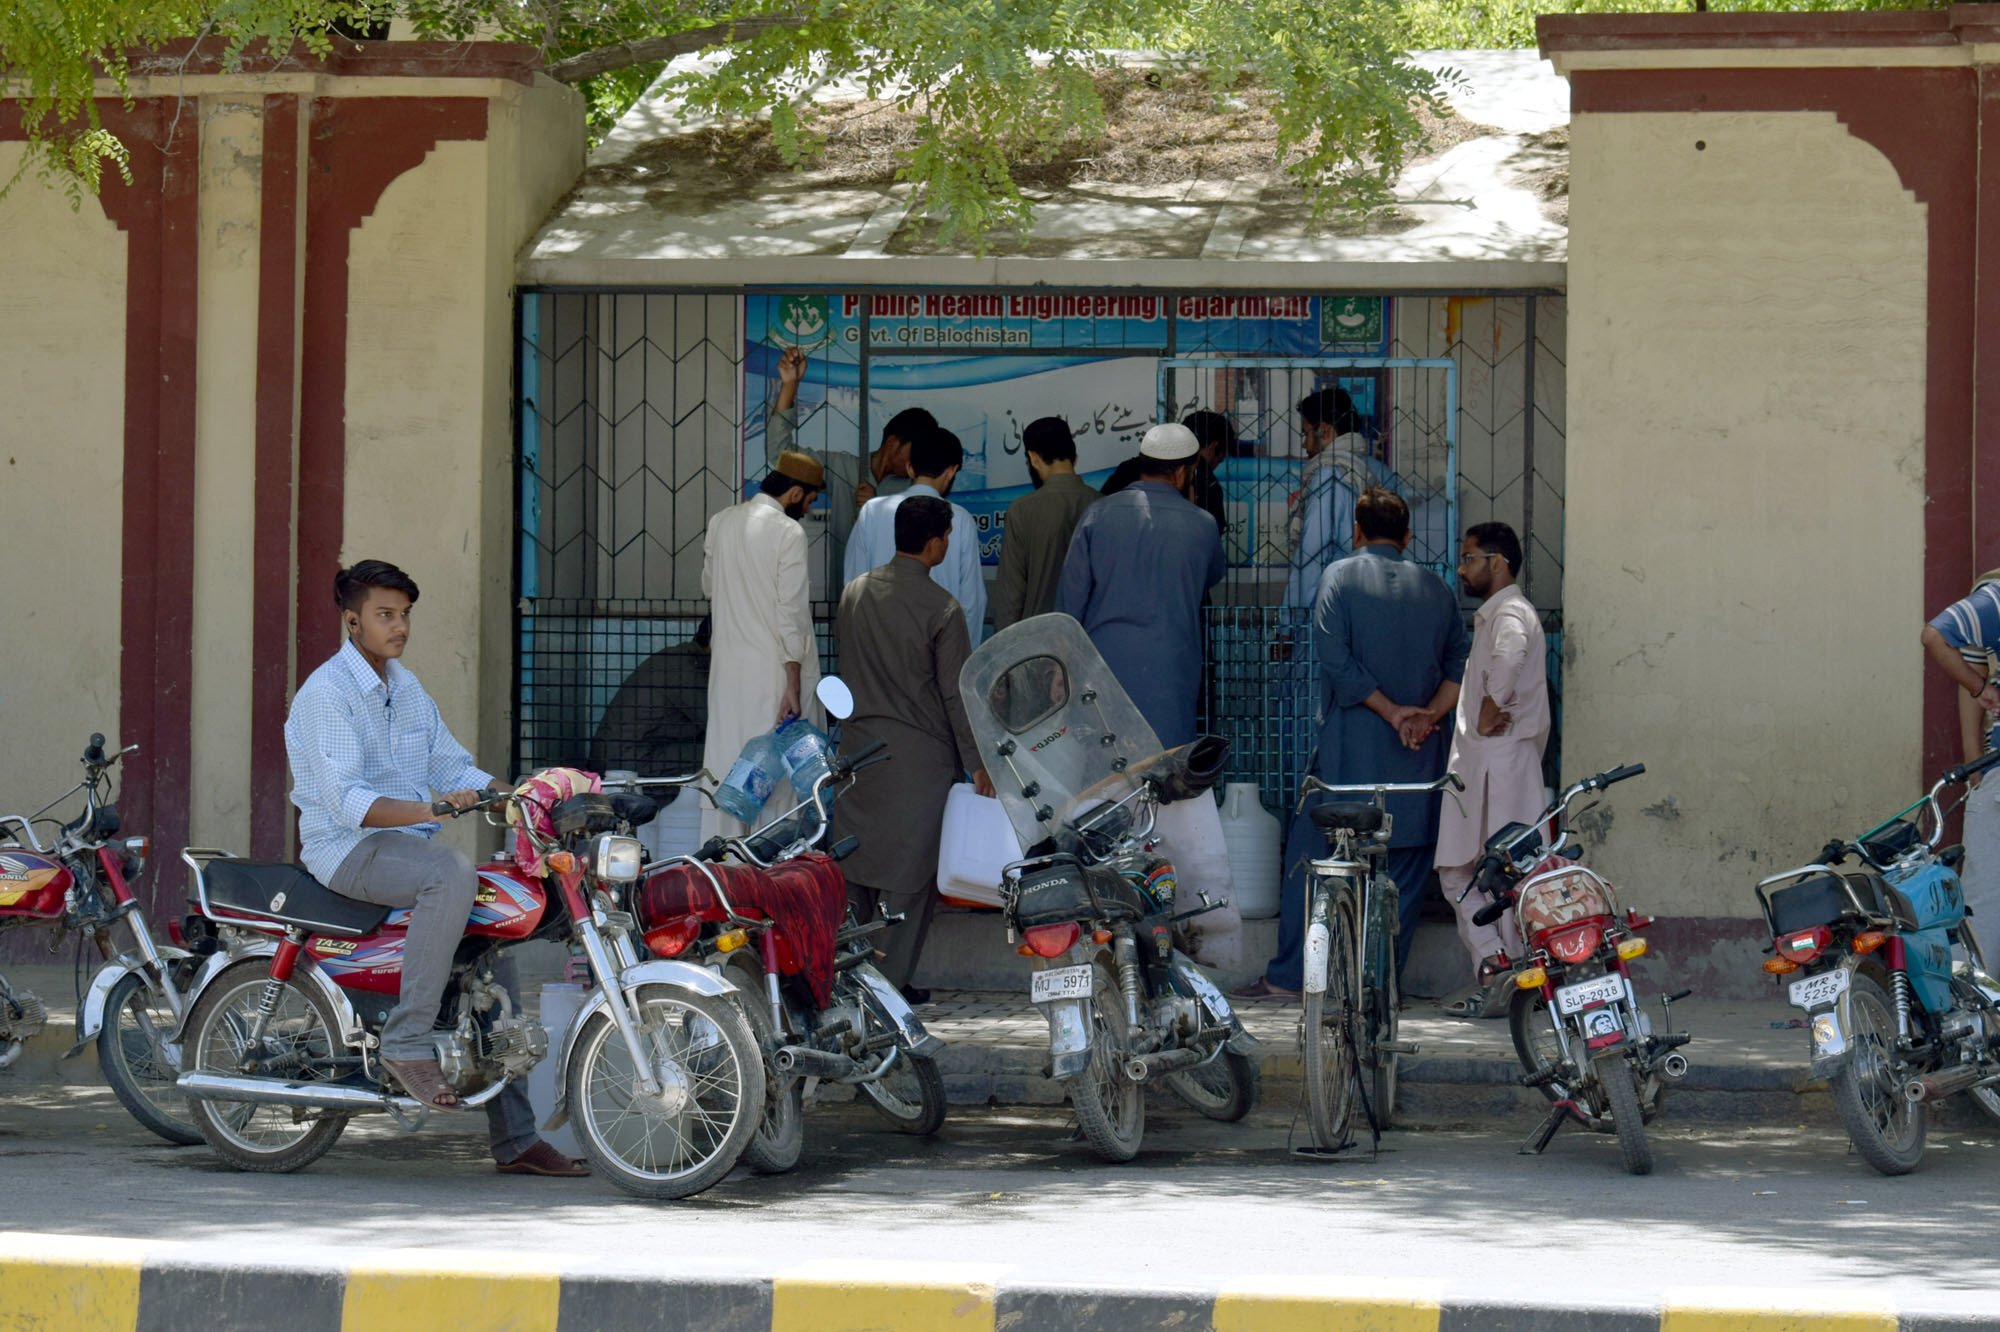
x=1486, y=212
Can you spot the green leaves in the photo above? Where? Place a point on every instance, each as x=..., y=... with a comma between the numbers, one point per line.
x=999, y=89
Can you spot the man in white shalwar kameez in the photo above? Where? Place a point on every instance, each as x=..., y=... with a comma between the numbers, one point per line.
x=763, y=657
x=1500, y=729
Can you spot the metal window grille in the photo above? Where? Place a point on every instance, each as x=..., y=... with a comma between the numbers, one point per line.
x=632, y=420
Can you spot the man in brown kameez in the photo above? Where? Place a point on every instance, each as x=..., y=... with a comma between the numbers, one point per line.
x=902, y=642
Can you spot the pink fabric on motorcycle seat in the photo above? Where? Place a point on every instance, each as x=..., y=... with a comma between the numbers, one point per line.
x=806, y=899
x=542, y=793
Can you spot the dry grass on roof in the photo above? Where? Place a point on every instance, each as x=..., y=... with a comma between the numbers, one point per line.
x=1158, y=128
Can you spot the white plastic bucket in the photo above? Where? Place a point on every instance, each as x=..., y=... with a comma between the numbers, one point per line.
x=561, y=1003
x=978, y=843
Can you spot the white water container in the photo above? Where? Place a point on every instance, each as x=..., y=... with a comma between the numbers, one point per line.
x=675, y=830
x=560, y=1005
x=1255, y=841
x=978, y=843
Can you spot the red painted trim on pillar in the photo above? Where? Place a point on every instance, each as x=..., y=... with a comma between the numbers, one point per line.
x=271, y=575
x=160, y=214
x=1927, y=122
x=1986, y=293
x=358, y=146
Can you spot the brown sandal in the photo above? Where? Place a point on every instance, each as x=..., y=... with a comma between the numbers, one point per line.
x=424, y=1081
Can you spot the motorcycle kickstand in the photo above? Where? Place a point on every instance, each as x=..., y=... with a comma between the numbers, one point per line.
x=1538, y=1141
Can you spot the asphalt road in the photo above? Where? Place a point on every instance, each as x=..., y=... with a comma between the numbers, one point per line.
x=1007, y=1190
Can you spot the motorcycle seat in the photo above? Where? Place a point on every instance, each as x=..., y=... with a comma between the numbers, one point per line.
x=290, y=895
x=1821, y=899
x=1357, y=816
x=805, y=899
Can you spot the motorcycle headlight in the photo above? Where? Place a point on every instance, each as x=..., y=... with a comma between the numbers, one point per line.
x=618, y=859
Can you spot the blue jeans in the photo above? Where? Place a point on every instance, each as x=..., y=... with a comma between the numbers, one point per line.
x=1409, y=866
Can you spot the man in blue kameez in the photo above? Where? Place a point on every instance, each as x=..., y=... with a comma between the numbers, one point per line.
x=1391, y=646
x=1137, y=566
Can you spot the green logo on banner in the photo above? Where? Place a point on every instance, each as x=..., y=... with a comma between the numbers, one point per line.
x=1350, y=321
x=805, y=321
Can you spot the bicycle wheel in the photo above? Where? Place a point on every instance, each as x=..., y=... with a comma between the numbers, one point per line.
x=1378, y=1009
x=1326, y=1038
x=141, y=1060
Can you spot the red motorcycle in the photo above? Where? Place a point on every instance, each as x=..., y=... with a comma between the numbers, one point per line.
x=1579, y=1032
x=660, y=1071
x=80, y=881
x=768, y=913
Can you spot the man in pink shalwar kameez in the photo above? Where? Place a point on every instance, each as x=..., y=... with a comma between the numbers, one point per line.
x=1499, y=733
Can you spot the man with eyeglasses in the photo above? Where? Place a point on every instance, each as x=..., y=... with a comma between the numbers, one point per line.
x=1500, y=729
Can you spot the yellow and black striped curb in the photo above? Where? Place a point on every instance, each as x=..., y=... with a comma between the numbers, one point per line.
x=65, y=1283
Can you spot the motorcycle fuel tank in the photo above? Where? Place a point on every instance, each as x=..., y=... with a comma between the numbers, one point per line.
x=507, y=905
x=32, y=885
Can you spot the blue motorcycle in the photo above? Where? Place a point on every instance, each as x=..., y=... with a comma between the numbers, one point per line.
x=1884, y=963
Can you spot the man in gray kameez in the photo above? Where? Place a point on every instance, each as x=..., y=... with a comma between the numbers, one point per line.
x=902, y=642
x=1391, y=646
x=848, y=486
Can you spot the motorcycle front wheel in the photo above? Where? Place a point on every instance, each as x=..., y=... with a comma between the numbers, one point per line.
x=1223, y=1091
x=1110, y=1107
x=1621, y=1098
x=140, y=1059
x=1867, y=1086
x=910, y=1095
x=1535, y=1046
x=299, y=1043
x=780, y=1138
x=691, y=1134
x=1326, y=1042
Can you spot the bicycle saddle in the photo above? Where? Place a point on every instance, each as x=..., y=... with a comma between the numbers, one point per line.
x=1352, y=815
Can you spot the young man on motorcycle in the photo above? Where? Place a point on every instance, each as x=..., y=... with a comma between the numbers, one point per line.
x=368, y=753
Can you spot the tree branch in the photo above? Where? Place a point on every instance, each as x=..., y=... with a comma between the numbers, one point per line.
x=604, y=59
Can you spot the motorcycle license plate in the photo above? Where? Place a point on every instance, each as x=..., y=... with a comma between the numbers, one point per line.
x=1060, y=983
x=1815, y=991
x=1603, y=990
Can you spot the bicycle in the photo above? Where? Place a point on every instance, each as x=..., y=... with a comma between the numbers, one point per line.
x=1348, y=1022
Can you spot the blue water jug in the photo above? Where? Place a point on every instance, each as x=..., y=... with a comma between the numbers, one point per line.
x=805, y=750
x=751, y=778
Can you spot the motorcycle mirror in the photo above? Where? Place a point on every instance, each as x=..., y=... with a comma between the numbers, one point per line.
x=835, y=697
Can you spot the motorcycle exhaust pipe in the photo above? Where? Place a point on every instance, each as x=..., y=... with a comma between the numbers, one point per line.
x=1141, y=1067
x=11, y=1052
x=312, y=1095
x=1937, y=1086
x=1674, y=1067
x=808, y=1062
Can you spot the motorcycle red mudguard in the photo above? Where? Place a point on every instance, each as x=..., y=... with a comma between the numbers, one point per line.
x=806, y=899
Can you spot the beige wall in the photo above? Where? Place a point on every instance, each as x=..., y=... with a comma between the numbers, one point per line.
x=62, y=450
x=1745, y=493
x=232, y=146
x=430, y=448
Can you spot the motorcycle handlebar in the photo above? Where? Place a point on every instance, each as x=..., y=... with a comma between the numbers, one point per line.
x=94, y=751
x=1974, y=768
x=445, y=809
x=1616, y=775
x=873, y=754
x=1491, y=912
